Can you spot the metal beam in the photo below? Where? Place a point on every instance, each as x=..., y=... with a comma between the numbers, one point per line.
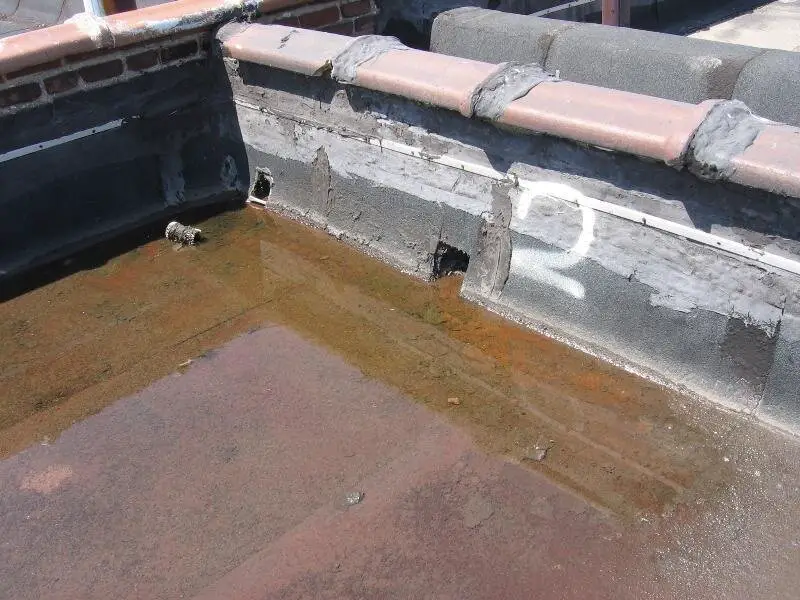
x=611, y=12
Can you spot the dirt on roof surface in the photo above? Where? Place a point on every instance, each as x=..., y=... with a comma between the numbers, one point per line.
x=275, y=413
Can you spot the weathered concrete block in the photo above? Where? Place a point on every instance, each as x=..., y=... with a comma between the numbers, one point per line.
x=644, y=62
x=493, y=36
x=770, y=85
x=781, y=403
x=8, y=7
x=648, y=63
x=10, y=28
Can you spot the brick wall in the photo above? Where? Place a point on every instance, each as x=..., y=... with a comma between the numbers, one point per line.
x=42, y=83
x=346, y=17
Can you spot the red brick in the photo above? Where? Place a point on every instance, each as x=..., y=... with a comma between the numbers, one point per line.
x=103, y=52
x=345, y=28
x=106, y=70
x=61, y=83
x=320, y=18
x=84, y=56
x=178, y=52
x=20, y=94
x=354, y=9
x=365, y=25
x=143, y=60
x=288, y=22
x=53, y=64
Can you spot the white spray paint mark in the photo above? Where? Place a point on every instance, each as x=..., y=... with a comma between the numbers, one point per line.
x=543, y=265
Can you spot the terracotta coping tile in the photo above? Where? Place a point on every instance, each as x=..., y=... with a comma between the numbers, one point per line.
x=772, y=162
x=43, y=45
x=298, y=50
x=435, y=79
x=84, y=33
x=166, y=19
x=633, y=123
x=642, y=125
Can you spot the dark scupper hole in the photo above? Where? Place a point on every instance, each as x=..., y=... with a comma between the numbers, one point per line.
x=448, y=260
x=407, y=33
x=262, y=186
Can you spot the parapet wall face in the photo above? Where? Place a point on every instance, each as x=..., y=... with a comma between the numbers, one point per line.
x=113, y=123
x=108, y=125
x=82, y=165
x=655, y=64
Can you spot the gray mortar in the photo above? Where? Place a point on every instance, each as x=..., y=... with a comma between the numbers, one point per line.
x=229, y=30
x=494, y=37
x=229, y=10
x=510, y=82
x=770, y=85
x=727, y=131
x=781, y=403
x=492, y=257
x=675, y=310
x=361, y=50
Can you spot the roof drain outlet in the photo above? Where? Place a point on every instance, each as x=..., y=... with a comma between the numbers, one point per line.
x=182, y=234
x=261, y=188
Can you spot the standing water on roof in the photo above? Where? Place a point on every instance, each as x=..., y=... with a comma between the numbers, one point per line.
x=196, y=419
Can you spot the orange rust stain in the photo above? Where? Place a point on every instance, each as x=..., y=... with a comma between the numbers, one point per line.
x=69, y=348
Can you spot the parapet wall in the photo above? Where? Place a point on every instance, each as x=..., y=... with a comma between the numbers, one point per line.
x=109, y=123
x=660, y=234
x=644, y=62
x=596, y=216
x=43, y=83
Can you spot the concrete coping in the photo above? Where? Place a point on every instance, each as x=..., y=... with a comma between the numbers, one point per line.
x=644, y=126
x=86, y=33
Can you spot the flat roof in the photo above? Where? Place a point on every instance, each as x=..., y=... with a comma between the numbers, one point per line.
x=776, y=25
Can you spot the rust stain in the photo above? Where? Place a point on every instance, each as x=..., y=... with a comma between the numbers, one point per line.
x=69, y=348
